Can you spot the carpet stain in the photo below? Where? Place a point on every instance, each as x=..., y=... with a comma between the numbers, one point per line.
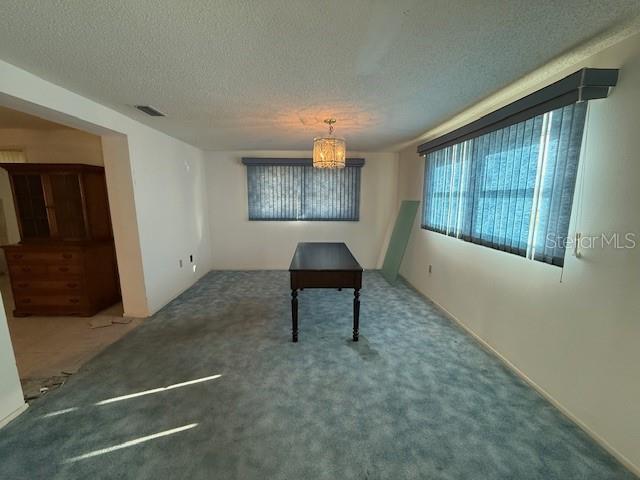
x=363, y=348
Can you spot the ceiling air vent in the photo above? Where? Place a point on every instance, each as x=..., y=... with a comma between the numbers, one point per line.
x=150, y=111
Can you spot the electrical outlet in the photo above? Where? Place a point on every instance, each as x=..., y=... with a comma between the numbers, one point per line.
x=180, y=262
x=430, y=267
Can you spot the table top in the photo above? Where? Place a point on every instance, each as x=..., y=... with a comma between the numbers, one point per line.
x=322, y=256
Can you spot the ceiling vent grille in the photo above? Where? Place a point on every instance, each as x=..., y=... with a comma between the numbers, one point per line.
x=149, y=110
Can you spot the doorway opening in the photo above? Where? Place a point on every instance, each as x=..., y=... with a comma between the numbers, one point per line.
x=58, y=272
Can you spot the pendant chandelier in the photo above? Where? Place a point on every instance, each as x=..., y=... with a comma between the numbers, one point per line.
x=329, y=152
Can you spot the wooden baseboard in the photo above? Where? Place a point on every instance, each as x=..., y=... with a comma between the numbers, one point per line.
x=4, y=421
x=546, y=395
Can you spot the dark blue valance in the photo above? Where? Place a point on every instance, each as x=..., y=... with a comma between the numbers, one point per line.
x=580, y=86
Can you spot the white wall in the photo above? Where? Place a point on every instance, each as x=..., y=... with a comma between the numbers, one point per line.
x=124, y=222
x=11, y=401
x=238, y=243
x=171, y=201
x=577, y=339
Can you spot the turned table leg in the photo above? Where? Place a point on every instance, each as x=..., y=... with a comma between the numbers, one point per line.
x=356, y=314
x=294, y=315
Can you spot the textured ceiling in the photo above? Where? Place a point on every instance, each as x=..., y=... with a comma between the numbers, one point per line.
x=263, y=74
x=14, y=119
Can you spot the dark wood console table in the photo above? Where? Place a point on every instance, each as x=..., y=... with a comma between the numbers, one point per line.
x=324, y=265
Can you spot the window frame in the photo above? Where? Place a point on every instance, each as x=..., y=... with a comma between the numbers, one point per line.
x=307, y=163
x=581, y=86
x=472, y=198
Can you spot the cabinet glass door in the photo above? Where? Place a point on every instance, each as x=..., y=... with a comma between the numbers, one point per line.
x=32, y=211
x=67, y=205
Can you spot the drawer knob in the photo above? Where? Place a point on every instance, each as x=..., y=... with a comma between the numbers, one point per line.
x=18, y=256
x=26, y=269
x=73, y=300
x=22, y=285
x=67, y=255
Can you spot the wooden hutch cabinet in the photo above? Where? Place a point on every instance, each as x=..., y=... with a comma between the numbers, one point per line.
x=65, y=263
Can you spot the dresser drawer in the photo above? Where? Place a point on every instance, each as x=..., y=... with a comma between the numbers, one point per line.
x=31, y=287
x=64, y=271
x=27, y=271
x=44, y=258
x=38, y=272
x=62, y=278
x=26, y=301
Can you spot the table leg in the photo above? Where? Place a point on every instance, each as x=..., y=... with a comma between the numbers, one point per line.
x=356, y=314
x=294, y=314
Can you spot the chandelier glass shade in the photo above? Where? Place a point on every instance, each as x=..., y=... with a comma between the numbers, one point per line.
x=331, y=151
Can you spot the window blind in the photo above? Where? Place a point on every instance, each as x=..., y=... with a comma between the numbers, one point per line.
x=510, y=189
x=290, y=190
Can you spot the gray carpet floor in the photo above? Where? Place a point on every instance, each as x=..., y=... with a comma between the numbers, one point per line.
x=415, y=398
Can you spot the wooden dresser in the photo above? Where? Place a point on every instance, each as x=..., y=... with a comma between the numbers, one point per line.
x=65, y=263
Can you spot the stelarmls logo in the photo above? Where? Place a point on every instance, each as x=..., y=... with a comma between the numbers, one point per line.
x=615, y=240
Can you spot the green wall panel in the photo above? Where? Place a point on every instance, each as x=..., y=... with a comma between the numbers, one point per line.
x=399, y=239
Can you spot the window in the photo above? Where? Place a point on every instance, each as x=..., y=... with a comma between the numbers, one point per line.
x=291, y=189
x=510, y=189
x=506, y=180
